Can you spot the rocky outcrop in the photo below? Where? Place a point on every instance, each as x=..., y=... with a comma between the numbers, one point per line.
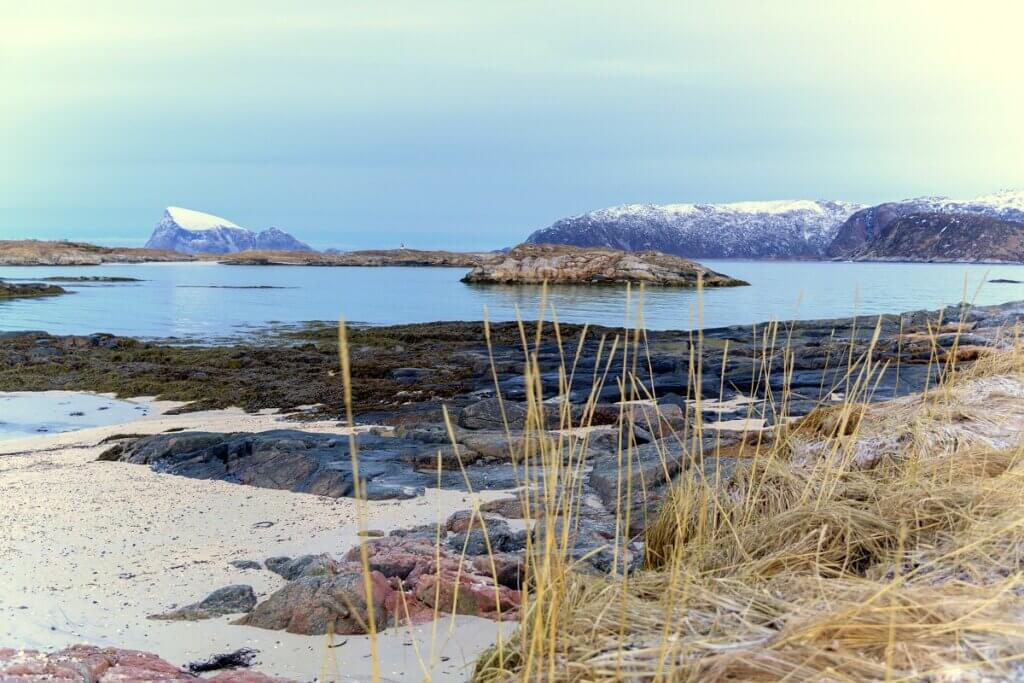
x=862, y=228
x=283, y=459
x=368, y=258
x=392, y=467
x=313, y=605
x=411, y=579
x=227, y=600
x=11, y=290
x=195, y=232
x=959, y=237
x=560, y=264
x=770, y=229
x=44, y=253
x=92, y=664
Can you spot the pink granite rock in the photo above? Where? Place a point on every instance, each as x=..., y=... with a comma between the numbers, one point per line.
x=92, y=664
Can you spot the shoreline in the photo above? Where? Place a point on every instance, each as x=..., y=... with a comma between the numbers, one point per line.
x=90, y=567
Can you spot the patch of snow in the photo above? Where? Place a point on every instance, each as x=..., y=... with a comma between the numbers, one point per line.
x=197, y=220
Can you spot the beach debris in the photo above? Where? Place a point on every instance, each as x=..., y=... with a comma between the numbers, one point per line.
x=241, y=658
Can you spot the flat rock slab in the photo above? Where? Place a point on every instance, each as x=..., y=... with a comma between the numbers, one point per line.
x=304, y=462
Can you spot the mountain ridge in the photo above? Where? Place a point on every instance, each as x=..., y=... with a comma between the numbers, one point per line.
x=798, y=228
x=862, y=227
x=194, y=232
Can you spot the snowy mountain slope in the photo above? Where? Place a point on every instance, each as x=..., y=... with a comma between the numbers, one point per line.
x=946, y=236
x=769, y=229
x=866, y=225
x=193, y=232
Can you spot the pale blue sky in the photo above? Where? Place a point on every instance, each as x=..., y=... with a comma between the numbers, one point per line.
x=470, y=124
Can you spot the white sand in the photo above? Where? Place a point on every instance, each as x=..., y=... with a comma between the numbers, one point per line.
x=89, y=549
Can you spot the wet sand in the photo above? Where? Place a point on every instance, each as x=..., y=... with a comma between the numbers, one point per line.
x=89, y=549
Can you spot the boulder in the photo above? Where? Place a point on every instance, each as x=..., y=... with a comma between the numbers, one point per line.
x=314, y=605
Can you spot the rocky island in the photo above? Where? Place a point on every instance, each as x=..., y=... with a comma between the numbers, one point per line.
x=561, y=264
x=61, y=253
x=369, y=257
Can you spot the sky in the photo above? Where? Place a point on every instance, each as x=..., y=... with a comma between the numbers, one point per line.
x=471, y=124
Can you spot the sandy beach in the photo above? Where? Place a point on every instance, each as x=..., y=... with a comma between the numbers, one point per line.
x=90, y=549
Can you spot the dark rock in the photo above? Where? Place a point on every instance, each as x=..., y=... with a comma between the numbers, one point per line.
x=245, y=564
x=487, y=414
x=392, y=468
x=227, y=600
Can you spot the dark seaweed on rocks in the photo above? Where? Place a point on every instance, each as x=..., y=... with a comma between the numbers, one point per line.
x=403, y=374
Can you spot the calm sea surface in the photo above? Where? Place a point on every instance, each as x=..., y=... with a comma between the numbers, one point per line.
x=208, y=301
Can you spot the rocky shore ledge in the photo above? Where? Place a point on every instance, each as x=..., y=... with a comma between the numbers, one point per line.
x=561, y=264
x=10, y=290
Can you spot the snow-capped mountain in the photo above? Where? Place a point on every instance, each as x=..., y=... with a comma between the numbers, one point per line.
x=195, y=232
x=866, y=225
x=769, y=229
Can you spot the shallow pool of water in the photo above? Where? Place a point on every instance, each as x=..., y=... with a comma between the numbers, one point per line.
x=31, y=413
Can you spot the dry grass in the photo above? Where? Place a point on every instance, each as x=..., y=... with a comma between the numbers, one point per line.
x=867, y=541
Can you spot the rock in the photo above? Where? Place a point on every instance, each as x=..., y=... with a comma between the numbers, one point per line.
x=507, y=568
x=418, y=567
x=487, y=414
x=590, y=544
x=92, y=664
x=536, y=263
x=245, y=564
x=509, y=508
x=227, y=600
x=497, y=538
x=287, y=459
x=460, y=592
x=9, y=290
x=313, y=605
x=464, y=520
x=451, y=457
x=640, y=483
x=305, y=565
